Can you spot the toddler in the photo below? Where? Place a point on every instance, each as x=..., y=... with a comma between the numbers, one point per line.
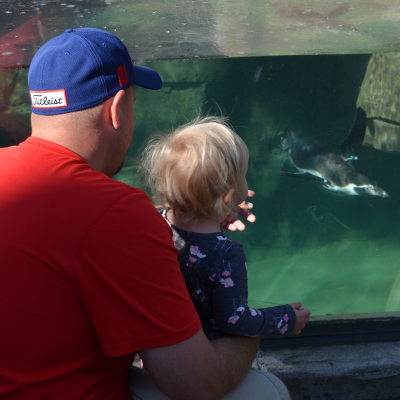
x=200, y=172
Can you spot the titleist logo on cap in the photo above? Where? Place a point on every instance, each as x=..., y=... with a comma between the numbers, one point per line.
x=49, y=99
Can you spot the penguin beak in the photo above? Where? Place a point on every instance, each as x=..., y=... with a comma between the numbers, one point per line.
x=375, y=191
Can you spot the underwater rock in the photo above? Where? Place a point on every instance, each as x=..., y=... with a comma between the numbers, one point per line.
x=187, y=71
x=393, y=301
x=380, y=98
x=15, y=108
x=184, y=87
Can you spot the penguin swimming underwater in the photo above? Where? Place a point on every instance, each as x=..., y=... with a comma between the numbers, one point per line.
x=333, y=172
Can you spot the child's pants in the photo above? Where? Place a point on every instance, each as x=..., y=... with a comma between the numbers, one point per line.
x=256, y=386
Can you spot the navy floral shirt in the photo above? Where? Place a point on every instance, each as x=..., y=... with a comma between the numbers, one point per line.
x=215, y=271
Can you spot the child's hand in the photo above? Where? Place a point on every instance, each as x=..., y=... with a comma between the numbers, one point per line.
x=302, y=317
x=232, y=223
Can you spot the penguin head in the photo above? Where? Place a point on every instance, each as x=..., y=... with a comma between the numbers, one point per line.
x=366, y=186
x=371, y=190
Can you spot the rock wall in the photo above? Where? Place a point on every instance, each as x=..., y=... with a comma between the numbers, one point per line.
x=380, y=98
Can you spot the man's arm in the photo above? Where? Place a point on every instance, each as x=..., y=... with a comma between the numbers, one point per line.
x=201, y=369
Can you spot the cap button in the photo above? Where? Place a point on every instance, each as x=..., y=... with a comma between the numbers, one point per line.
x=69, y=30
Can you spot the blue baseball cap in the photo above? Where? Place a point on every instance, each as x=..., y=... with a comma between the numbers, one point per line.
x=82, y=68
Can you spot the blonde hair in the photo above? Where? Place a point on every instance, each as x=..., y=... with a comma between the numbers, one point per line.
x=194, y=167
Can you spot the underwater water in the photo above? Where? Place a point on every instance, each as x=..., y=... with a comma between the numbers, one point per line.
x=336, y=254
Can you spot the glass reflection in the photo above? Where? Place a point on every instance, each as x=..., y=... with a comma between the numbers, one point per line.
x=161, y=30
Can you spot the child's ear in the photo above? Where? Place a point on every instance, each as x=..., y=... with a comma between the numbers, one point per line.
x=228, y=196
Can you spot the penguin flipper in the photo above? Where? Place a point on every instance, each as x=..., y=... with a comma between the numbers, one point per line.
x=303, y=175
x=353, y=142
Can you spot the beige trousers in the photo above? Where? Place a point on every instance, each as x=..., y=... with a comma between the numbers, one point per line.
x=256, y=386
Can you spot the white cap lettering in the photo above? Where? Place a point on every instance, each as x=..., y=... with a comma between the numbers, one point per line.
x=49, y=99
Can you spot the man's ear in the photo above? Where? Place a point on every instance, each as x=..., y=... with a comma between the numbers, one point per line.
x=228, y=196
x=114, y=109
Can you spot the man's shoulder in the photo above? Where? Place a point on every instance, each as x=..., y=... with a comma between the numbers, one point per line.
x=99, y=188
x=69, y=183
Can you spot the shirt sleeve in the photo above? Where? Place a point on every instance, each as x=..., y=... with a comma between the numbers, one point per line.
x=230, y=300
x=129, y=277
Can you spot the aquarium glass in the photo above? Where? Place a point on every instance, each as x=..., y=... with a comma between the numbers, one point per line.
x=336, y=254
x=267, y=66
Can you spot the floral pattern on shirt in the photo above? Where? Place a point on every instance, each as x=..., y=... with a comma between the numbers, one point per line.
x=214, y=267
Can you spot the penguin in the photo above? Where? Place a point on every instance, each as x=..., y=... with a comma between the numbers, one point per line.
x=331, y=171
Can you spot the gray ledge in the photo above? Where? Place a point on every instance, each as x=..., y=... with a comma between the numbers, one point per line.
x=357, y=371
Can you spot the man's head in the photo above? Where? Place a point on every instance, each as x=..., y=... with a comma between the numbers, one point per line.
x=78, y=84
x=81, y=68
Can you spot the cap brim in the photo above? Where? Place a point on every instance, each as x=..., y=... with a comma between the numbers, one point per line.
x=147, y=77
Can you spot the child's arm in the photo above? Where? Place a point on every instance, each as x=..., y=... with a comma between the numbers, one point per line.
x=232, y=314
x=302, y=317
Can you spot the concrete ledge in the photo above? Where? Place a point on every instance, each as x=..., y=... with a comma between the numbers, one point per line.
x=357, y=371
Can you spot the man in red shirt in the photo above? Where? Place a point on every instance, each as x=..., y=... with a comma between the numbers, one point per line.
x=89, y=273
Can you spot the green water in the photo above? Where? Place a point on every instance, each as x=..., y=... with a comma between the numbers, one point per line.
x=336, y=254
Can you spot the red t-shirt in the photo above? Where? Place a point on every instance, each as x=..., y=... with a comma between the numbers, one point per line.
x=88, y=276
